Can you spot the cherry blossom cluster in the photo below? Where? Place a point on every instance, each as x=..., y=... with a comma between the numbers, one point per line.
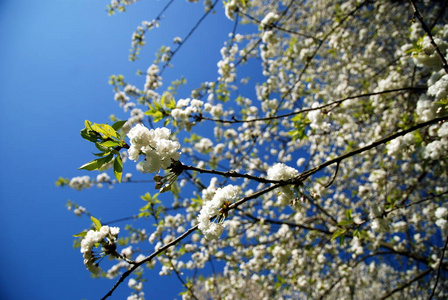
x=212, y=208
x=155, y=144
x=106, y=237
x=185, y=109
x=81, y=182
x=280, y=171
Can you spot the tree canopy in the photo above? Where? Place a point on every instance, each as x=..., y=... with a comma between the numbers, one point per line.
x=313, y=166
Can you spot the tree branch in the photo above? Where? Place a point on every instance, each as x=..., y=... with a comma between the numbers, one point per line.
x=148, y=259
x=301, y=226
x=336, y=103
x=422, y=274
x=369, y=147
x=230, y=174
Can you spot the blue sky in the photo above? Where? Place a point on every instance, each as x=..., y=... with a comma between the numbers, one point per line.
x=55, y=60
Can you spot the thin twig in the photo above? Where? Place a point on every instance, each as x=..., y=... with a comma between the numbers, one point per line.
x=428, y=32
x=301, y=226
x=148, y=259
x=276, y=26
x=121, y=220
x=438, y=269
x=334, y=176
x=190, y=289
x=422, y=274
x=190, y=33
x=337, y=102
x=157, y=19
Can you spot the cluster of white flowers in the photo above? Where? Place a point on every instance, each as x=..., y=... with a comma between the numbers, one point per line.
x=226, y=67
x=121, y=97
x=133, y=284
x=398, y=146
x=139, y=296
x=185, y=108
x=439, y=89
x=435, y=150
x=230, y=8
x=204, y=145
x=155, y=144
x=281, y=171
x=426, y=109
x=213, y=230
x=107, y=236
x=117, y=3
x=377, y=178
x=428, y=56
x=79, y=210
x=153, y=80
x=269, y=37
x=138, y=37
x=443, y=130
x=441, y=213
x=269, y=19
x=317, y=118
x=80, y=182
x=102, y=178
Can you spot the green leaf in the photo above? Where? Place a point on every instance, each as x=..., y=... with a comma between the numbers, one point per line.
x=96, y=163
x=341, y=234
x=110, y=143
x=87, y=124
x=89, y=135
x=81, y=234
x=101, y=154
x=101, y=148
x=157, y=116
x=143, y=214
x=105, y=130
x=146, y=197
x=345, y=223
x=90, y=166
x=166, y=99
x=118, y=167
x=348, y=214
x=117, y=125
x=96, y=222
x=62, y=181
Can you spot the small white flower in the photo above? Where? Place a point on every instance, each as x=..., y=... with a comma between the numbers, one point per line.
x=441, y=212
x=300, y=161
x=270, y=18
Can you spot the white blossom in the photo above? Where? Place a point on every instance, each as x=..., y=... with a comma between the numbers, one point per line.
x=213, y=230
x=155, y=144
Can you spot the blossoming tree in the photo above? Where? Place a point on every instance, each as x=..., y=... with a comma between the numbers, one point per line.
x=324, y=177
